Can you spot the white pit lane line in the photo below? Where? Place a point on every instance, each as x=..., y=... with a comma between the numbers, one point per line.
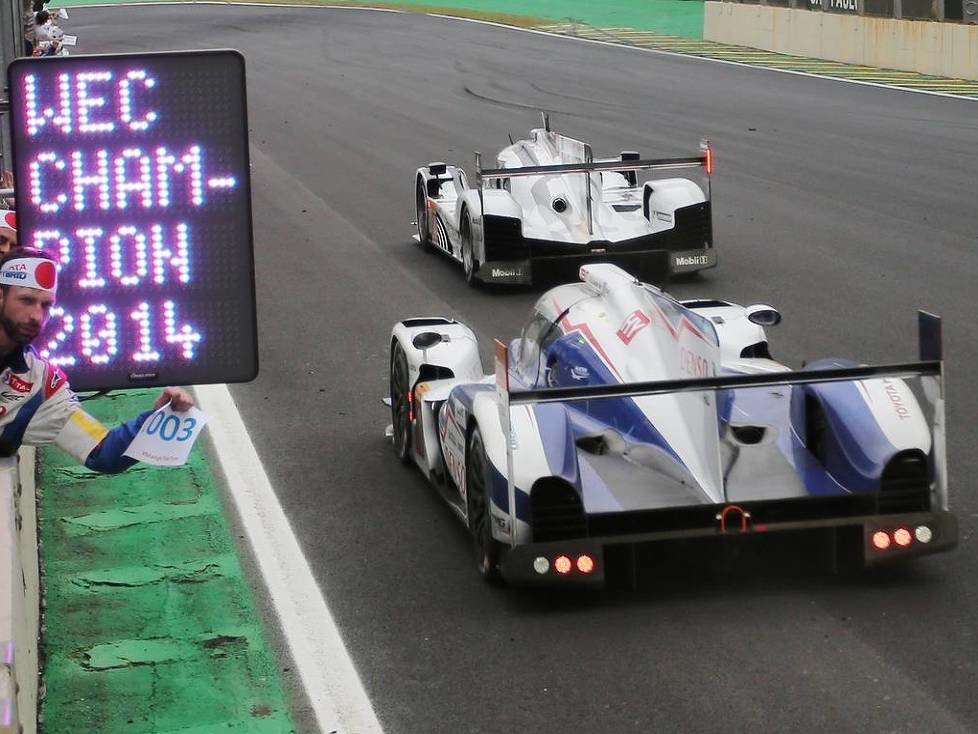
x=332, y=685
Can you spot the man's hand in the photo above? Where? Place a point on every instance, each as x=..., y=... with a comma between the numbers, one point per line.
x=178, y=398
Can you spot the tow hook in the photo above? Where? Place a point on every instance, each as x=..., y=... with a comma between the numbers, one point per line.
x=724, y=515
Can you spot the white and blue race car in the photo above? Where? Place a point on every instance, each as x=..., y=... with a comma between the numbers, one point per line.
x=548, y=203
x=622, y=416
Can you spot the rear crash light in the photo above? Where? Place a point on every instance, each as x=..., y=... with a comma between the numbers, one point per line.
x=585, y=564
x=902, y=537
x=565, y=565
x=707, y=150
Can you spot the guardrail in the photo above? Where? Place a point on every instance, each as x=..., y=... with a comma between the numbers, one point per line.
x=952, y=11
x=19, y=596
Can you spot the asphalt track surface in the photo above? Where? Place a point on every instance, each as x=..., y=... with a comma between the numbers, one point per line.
x=848, y=207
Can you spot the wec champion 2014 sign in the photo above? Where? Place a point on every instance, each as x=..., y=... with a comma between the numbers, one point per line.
x=133, y=171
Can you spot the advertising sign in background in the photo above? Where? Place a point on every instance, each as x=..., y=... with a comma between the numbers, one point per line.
x=836, y=6
x=133, y=171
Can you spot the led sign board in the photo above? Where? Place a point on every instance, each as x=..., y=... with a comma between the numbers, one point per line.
x=132, y=170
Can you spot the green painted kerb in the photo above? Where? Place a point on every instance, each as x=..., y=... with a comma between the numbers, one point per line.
x=683, y=18
x=673, y=17
x=150, y=625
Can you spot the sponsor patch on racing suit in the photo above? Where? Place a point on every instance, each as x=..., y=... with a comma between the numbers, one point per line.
x=37, y=407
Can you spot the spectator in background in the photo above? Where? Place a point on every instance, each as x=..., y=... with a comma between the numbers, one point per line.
x=48, y=36
x=42, y=29
x=8, y=231
x=52, y=47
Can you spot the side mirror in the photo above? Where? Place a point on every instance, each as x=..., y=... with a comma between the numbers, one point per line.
x=763, y=315
x=427, y=339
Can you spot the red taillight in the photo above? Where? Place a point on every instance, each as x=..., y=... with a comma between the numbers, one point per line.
x=585, y=564
x=707, y=151
x=562, y=565
x=881, y=540
x=410, y=397
x=902, y=537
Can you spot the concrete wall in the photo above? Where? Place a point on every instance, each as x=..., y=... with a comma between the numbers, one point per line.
x=928, y=47
x=19, y=596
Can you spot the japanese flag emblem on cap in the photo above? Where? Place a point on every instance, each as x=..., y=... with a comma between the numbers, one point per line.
x=30, y=272
x=8, y=218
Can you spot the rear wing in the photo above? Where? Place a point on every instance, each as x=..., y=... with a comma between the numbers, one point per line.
x=489, y=174
x=589, y=165
x=930, y=365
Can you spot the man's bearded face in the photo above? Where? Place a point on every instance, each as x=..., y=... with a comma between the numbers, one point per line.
x=23, y=313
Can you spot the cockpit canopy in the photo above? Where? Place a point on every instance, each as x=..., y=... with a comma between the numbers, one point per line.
x=612, y=328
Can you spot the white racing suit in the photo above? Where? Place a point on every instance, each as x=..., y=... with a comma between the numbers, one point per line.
x=37, y=407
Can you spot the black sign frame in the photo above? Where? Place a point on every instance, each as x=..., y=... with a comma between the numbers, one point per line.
x=208, y=98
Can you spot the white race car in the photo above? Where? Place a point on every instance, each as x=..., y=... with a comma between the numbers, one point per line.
x=622, y=416
x=549, y=203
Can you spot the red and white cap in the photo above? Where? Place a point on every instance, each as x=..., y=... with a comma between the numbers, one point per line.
x=8, y=219
x=30, y=272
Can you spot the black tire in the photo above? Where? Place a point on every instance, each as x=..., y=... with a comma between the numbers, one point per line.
x=470, y=266
x=421, y=212
x=400, y=406
x=488, y=550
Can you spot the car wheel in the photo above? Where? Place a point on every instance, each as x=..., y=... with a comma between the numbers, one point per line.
x=400, y=404
x=470, y=266
x=421, y=206
x=478, y=490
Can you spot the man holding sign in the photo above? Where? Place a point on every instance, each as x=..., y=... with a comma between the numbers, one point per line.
x=37, y=406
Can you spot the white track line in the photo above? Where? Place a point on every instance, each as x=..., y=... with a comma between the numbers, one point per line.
x=331, y=682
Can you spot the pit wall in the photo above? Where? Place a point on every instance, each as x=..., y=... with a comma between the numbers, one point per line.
x=19, y=595
x=927, y=47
